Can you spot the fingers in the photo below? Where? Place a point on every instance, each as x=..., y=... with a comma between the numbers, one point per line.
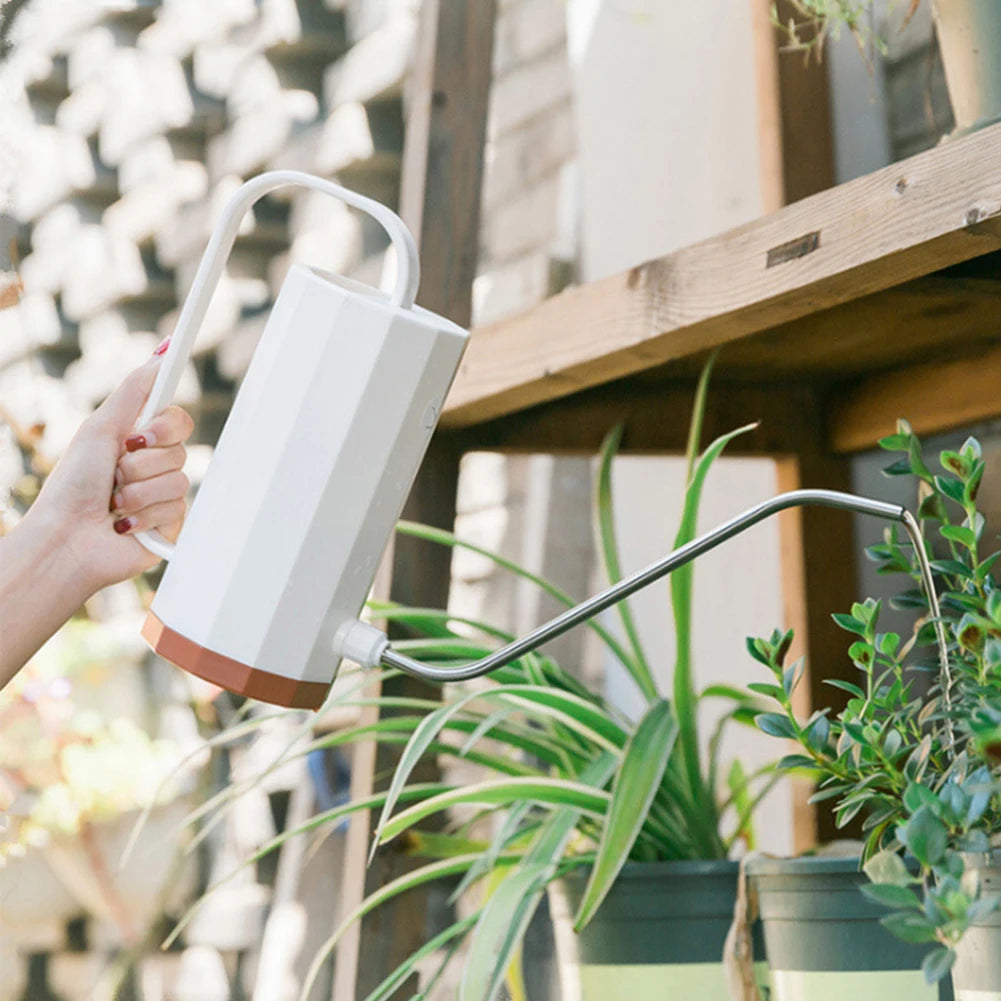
x=120, y=410
x=170, y=427
x=135, y=498
x=147, y=463
x=165, y=513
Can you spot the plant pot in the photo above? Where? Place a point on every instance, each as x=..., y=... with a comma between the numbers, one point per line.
x=969, y=37
x=659, y=933
x=89, y=866
x=823, y=938
x=976, y=975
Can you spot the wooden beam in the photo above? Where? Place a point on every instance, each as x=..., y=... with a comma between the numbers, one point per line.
x=906, y=324
x=933, y=397
x=446, y=106
x=817, y=558
x=897, y=224
x=655, y=419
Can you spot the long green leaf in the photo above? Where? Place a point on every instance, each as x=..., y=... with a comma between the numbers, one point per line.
x=557, y=792
x=685, y=701
x=637, y=666
x=632, y=793
x=573, y=712
x=408, y=881
x=385, y=990
x=507, y=914
x=444, y=538
x=326, y=817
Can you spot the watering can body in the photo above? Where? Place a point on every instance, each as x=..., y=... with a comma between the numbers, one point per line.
x=308, y=478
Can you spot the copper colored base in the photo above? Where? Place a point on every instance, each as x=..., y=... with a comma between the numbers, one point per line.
x=229, y=673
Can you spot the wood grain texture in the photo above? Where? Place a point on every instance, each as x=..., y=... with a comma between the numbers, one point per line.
x=877, y=232
x=934, y=397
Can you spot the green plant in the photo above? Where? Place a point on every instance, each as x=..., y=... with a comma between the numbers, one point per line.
x=808, y=24
x=914, y=751
x=568, y=780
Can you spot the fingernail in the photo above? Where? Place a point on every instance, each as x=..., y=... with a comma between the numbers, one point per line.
x=117, y=502
x=134, y=442
x=161, y=348
x=123, y=525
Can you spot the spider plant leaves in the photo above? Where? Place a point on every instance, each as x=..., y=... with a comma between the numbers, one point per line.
x=506, y=915
x=682, y=584
x=385, y=990
x=502, y=792
x=637, y=665
x=633, y=791
x=571, y=711
x=394, y=888
x=444, y=538
x=500, y=930
x=325, y=818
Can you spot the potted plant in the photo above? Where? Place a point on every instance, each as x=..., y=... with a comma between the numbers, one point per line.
x=623, y=814
x=76, y=769
x=969, y=37
x=915, y=751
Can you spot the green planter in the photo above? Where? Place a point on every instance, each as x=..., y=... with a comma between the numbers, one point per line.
x=977, y=973
x=658, y=936
x=823, y=938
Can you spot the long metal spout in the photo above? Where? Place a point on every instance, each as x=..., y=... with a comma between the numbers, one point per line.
x=592, y=606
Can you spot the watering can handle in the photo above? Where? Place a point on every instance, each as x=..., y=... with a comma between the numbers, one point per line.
x=210, y=268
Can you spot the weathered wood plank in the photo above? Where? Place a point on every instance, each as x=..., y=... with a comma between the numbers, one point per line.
x=934, y=397
x=858, y=239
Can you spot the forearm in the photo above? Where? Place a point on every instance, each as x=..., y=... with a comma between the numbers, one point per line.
x=41, y=585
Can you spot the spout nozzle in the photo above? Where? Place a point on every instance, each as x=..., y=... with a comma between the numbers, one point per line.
x=360, y=642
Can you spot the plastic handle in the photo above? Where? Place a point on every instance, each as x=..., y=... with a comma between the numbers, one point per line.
x=210, y=268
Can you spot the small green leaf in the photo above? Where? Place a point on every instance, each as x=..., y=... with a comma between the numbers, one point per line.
x=887, y=868
x=849, y=623
x=775, y=725
x=925, y=836
x=909, y=927
x=791, y=761
x=846, y=686
x=937, y=964
x=891, y=895
x=763, y=688
x=952, y=489
x=959, y=533
x=917, y=795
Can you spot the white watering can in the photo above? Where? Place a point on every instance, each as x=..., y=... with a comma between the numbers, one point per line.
x=311, y=471
x=325, y=437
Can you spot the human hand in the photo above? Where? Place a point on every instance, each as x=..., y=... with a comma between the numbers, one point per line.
x=112, y=482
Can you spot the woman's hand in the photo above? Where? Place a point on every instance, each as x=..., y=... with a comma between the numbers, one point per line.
x=112, y=482
x=77, y=537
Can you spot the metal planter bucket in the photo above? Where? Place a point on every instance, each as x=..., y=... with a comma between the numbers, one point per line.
x=823, y=938
x=658, y=936
x=977, y=973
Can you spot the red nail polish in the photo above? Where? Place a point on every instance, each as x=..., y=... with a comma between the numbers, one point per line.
x=161, y=348
x=122, y=525
x=134, y=442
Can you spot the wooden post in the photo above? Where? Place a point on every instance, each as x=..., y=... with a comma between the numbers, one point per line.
x=817, y=557
x=440, y=202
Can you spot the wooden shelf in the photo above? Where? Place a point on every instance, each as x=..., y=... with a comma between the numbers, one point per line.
x=880, y=297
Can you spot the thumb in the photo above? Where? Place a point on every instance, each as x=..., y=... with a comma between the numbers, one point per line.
x=121, y=409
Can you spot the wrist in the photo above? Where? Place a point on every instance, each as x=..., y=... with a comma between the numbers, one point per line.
x=60, y=546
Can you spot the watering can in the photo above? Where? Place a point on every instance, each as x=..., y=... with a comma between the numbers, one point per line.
x=312, y=468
